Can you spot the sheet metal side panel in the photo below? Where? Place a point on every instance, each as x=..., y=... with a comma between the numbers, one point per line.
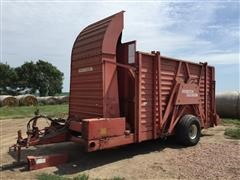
x=86, y=72
x=205, y=87
x=209, y=98
x=146, y=93
x=110, y=89
x=139, y=100
x=168, y=71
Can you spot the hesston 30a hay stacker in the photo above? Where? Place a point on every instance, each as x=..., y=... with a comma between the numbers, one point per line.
x=120, y=96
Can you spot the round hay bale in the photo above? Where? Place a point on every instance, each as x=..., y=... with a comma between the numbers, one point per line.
x=27, y=100
x=62, y=99
x=41, y=100
x=48, y=100
x=7, y=100
x=228, y=104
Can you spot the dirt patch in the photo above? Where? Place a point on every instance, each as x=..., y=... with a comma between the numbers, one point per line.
x=215, y=157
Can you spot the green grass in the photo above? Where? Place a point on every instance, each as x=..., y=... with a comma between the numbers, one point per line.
x=117, y=178
x=28, y=111
x=45, y=176
x=231, y=122
x=234, y=131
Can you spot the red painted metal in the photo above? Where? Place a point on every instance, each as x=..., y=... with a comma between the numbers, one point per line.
x=110, y=142
x=75, y=126
x=188, y=94
x=97, y=94
x=120, y=96
x=39, y=162
x=102, y=128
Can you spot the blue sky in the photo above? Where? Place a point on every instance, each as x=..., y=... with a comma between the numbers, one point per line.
x=191, y=30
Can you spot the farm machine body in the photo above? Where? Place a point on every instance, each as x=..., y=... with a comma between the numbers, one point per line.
x=120, y=96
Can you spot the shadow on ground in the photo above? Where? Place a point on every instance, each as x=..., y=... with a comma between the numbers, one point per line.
x=80, y=161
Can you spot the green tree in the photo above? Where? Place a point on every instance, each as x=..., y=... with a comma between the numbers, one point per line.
x=51, y=78
x=27, y=76
x=42, y=76
x=8, y=79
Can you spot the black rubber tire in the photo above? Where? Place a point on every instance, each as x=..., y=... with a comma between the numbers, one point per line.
x=183, y=128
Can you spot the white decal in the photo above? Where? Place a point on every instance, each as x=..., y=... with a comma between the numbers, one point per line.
x=192, y=95
x=189, y=93
x=40, y=160
x=86, y=69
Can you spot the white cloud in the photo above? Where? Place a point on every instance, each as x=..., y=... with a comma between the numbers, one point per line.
x=215, y=58
x=223, y=58
x=48, y=30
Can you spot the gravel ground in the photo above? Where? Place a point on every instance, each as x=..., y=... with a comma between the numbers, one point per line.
x=215, y=157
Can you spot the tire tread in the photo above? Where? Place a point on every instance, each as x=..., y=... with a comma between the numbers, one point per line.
x=182, y=130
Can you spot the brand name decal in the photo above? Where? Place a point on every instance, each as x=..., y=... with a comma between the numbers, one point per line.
x=189, y=93
x=86, y=69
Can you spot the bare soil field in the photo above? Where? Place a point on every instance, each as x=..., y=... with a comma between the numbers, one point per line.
x=215, y=157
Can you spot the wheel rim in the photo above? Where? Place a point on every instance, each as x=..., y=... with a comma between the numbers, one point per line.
x=193, y=131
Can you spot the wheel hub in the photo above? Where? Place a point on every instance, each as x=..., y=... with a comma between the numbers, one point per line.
x=193, y=131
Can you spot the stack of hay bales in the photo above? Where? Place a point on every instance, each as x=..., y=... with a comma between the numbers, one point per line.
x=7, y=100
x=48, y=100
x=31, y=100
x=62, y=99
x=27, y=100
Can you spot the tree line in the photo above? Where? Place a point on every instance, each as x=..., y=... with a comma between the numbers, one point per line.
x=40, y=77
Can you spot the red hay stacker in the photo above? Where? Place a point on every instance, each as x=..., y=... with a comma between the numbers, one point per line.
x=120, y=96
